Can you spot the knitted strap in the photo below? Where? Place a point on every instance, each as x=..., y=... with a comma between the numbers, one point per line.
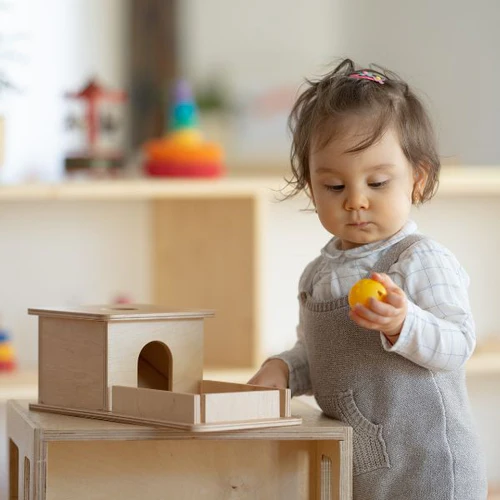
x=392, y=255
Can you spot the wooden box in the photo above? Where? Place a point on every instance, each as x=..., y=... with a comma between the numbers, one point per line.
x=56, y=457
x=143, y=364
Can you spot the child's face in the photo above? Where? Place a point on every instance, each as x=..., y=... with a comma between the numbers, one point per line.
x=365, y=196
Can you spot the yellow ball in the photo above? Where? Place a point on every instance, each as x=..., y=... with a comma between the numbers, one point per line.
x=364, y=289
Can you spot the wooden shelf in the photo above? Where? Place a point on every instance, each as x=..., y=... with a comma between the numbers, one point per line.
x=465, y=181
x=140, y=189
x=186, y=217
x=469, y=181
x=484, y=363
x=19, y=384
x=23, y=384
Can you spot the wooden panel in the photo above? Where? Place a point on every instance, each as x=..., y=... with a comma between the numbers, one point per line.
x=215, y=386
x=72, y=363
x=156, y=405
x=184, y=339
x=208, y=386
x=126, y=312
x=334, y=469
x=199, y=429
x=240, y=406
x=212, y=470
x=26, y=457
x=205, y=255
x=61, y=428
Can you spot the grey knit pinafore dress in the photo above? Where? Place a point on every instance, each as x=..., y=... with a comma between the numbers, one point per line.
x=414, y=437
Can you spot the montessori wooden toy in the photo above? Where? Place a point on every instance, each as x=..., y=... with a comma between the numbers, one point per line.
x=100, y=151
x=183, y=151
x=7, y=357
x=143, y=364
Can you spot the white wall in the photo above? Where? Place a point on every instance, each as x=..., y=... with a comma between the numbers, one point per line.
x=69, y=253
x=259, y=41
x=63, y=43
x=447, y=49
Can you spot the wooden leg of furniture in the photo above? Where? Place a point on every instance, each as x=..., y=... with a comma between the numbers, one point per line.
x=334, y=469
x=205, y=256
x=26, y=458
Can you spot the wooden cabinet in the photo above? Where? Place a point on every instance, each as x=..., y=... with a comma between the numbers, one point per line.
x=57, y=457
x=205, y=244
x=206, y=255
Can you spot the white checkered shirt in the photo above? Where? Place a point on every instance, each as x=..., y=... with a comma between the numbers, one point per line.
x=438, y=332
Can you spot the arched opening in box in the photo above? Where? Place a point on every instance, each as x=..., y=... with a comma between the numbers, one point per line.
x=154, y=367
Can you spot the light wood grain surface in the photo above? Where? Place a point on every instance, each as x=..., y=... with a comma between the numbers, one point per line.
x=67, y=457
x=468, y=180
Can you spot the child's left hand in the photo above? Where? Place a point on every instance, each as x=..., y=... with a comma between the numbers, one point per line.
x=388, y=316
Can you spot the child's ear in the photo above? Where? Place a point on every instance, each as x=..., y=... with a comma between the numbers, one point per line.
x=420, y=175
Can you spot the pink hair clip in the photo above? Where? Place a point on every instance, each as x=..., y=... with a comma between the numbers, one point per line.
x=368, y=75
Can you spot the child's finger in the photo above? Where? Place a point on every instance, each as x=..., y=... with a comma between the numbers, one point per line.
x=385, y=280
x=382, y=308
x=396, y=300
x=373, y=317
x=364, y=322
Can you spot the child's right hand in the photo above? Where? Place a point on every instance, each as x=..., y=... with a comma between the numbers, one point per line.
x=273, y=373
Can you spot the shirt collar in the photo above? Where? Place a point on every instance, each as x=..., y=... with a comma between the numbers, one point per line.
x=332, y=251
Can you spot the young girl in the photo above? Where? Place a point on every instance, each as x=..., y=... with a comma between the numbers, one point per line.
x=364, y=151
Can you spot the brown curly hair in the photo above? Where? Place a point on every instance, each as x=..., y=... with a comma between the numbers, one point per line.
x=319, y=113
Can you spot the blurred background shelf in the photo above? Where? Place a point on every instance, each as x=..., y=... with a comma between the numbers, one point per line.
x=23, y=383
x=484, y=363
x=210, y=231
x=142, y=188
x=241, y=182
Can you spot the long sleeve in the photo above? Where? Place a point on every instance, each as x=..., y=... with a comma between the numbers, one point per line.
x=438, y=332
x=299, y=380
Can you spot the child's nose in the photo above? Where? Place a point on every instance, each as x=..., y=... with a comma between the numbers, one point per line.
x=356, y=200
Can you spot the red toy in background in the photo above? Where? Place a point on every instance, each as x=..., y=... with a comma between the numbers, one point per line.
x=7, y=357
x=183, y=152
x=103, y=146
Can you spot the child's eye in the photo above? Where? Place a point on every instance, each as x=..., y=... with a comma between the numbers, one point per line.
x=336, y=188
x=378, y=184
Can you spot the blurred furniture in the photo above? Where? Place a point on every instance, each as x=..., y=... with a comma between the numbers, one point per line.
x=54, y=456
x=20, y=384
x=153, y=48
x=203, y=232
x=208, y=232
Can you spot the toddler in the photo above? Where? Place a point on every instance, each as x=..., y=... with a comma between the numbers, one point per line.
x=364, y=151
